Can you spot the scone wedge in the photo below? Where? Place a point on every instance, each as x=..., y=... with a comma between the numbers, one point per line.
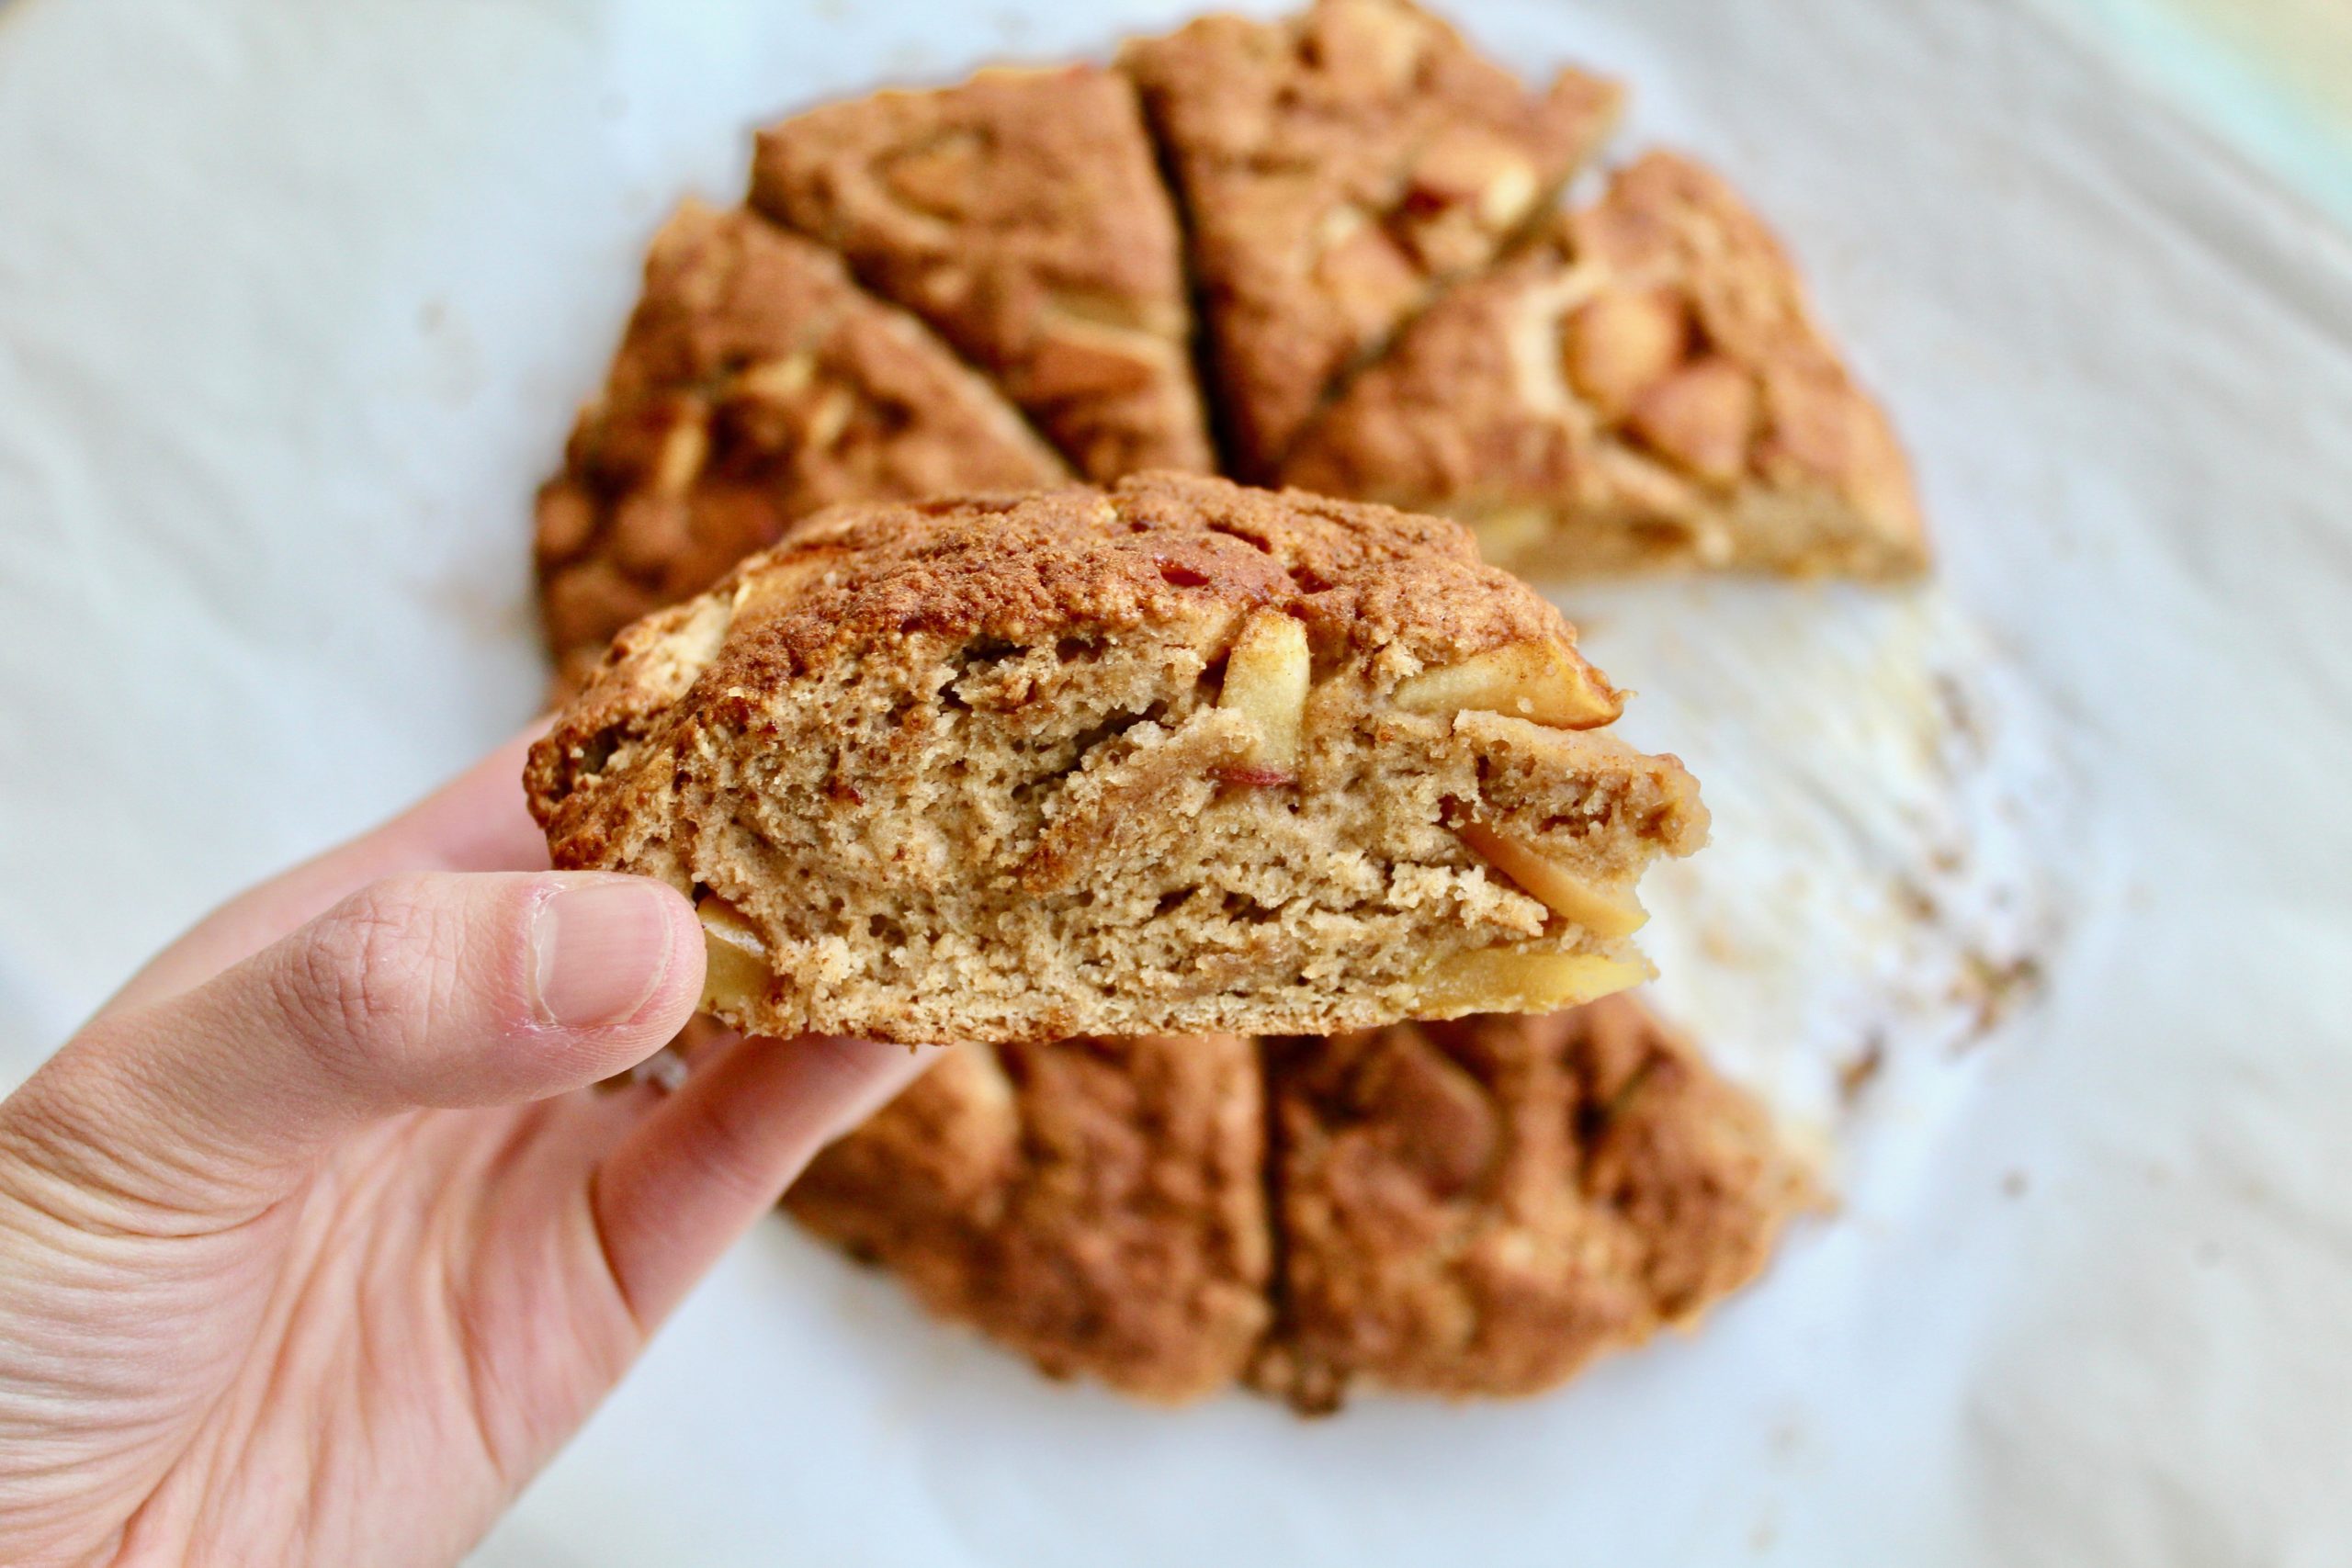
x=1645, y=390
x=1478, y=1208
x=1021, y=214
x=755, y=383
x=1098, y=1206
x=1334, y=170
x=1177, y=757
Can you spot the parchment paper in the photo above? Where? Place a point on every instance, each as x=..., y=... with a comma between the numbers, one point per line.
x=295, y=303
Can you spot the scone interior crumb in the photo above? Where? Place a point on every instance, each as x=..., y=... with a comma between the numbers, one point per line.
x=1101, y=767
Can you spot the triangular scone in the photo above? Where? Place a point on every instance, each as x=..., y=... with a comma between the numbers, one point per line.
x=1648, y=390
x=1333, y=170
x=1097, y=1206
x=1479, y=1208
x=1173, y=758
x=755, y=383
x=1022, y=214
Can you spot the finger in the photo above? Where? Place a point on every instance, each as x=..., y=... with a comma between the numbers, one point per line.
x=441, y=989
x=475, y=822
x=711, y=1160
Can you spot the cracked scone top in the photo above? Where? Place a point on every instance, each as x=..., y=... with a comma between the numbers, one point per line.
x=1645, y=389
x=1474, y=1209
x=1174, y=757
x=1336, y=169
x=755, y=383
x=1020, y=214
x=1097, y=1205
x=1480, y=1207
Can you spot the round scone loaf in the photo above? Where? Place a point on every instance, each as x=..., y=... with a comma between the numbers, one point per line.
x=1178, y=757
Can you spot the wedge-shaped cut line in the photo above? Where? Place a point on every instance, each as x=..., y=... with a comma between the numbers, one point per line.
x=1013, y=768
x=1473, y=1209
x=1538, y=680
x=1338, y=169
x=1022, y=216
x=756, y=383
x=1567, y=894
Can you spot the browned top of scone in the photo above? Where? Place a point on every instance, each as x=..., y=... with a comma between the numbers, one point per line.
x=1098, y=1205
x=1155, y=548
x=895, y=584
x=898, y=583
x=755, y=383
x=1655, y=354
x=1787, y=410
x=1022, y=214
x=1333, y=167
x=1481, y=1206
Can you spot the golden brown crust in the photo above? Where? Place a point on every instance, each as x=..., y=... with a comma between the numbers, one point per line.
x=1467, y=1209
x=1020, y=215
x=1334, y=168
x=755, y=384
x=1645, y=390
x=1479, y=1208
x=1097, y=1206
x=1157, y=548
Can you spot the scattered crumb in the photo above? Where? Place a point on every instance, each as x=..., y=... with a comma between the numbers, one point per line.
x=1998, y=987
x=1913, y=900
x=1959, y=711
x=1861, y=1070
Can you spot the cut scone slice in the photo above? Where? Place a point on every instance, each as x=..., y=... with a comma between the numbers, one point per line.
x=755, y=383
x=1011, y=769
x=1334, y=169
x=1022, y=214
x=1097, y=1206
x=1646, y=389
x=1478, y=1208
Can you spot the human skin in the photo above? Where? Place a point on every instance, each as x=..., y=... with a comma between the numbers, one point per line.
x=315, y=1244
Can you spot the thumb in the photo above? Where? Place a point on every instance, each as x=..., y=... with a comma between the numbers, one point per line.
x=450, y=989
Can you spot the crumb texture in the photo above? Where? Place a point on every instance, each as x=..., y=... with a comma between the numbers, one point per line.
x=1334, y=170
x=1176, y=758
x=1097, y=1206
x=1022, y=216
x=755, y=383
x=1646, y=389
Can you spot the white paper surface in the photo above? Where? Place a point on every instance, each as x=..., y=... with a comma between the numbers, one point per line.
x=295, y=302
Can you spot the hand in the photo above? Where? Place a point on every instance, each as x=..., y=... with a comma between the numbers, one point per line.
x=308, y=1250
